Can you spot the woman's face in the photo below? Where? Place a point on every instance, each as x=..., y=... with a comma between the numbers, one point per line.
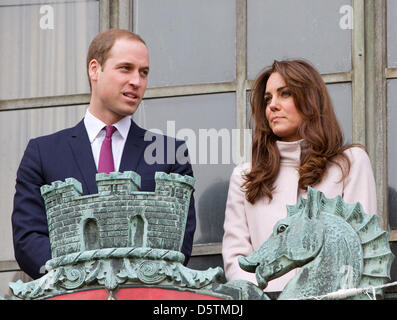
x=281, y=113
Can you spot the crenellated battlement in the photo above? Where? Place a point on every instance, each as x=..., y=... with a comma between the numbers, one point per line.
x=119, y=215
x=118, y=182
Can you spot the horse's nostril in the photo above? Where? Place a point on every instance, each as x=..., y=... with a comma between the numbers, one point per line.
x=247, y=265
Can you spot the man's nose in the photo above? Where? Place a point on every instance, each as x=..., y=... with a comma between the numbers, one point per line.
x=135, y=79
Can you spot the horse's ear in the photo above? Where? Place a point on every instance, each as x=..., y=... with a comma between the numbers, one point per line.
x=312, y=208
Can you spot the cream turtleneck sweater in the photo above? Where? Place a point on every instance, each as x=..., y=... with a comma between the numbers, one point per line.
x=247, y=226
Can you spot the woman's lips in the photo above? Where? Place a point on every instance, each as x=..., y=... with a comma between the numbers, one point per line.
x=276, y=118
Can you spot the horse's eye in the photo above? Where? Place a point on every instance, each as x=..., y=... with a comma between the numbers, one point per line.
x=281, y=228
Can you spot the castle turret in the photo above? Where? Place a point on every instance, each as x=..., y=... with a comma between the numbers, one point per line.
x=60, y=192
x=169, y=184
x=167, y=221
x=61, y=215
x=118, y=182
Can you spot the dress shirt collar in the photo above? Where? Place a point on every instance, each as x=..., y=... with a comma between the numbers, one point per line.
x=94, y=126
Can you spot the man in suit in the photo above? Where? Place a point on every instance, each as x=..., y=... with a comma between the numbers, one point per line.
x=117, y=67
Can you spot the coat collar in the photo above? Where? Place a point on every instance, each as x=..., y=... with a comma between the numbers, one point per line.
x=291, y=152
x=133, y=149
x=82, y=153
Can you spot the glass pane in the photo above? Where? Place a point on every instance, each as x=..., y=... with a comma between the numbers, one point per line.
x=392, y=150
x=341, y=96
x=16, y=128
x=392, y=33
x=206, y=123
x=316, y=30
x=189, y=41
x=44, y=47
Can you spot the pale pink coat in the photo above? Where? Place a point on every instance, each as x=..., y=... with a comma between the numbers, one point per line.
x=247, y=226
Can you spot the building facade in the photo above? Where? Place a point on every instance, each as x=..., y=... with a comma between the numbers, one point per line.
x=204, y=56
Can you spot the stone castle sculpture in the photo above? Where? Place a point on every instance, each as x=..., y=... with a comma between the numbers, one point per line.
x=123, y=239
x=119, y=216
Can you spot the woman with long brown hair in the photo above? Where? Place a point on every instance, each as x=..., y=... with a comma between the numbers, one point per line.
x=297, y=142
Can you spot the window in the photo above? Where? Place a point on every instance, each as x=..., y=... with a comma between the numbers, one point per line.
x=204, y=56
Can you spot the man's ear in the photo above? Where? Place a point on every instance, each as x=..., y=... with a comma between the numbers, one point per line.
x=93, y=69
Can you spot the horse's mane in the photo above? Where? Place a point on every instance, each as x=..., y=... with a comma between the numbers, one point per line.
x=374, y=241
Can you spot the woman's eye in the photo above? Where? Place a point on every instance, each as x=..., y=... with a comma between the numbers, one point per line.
x=267, y=100
x=286, y=94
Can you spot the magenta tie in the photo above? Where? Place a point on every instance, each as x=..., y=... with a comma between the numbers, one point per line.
x=106, y=163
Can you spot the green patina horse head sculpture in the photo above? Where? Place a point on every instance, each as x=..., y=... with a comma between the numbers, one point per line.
x=336, y=246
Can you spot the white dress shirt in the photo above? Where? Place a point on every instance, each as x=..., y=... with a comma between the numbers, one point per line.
x=96, y=133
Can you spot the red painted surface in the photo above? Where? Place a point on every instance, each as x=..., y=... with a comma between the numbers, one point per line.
x=135, y=294
x=160, y=294
x=98, y=294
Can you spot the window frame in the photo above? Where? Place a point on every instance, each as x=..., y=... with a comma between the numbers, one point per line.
x=368, y=78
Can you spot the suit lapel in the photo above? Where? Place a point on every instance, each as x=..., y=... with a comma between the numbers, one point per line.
x=83, y=157
x=133, y=149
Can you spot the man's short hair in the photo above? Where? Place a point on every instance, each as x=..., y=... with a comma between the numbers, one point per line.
x=103, y=42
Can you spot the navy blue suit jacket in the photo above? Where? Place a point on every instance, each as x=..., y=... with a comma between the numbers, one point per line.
x=68, y=153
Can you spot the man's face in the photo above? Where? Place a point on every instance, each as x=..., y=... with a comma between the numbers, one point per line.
x=118, y=86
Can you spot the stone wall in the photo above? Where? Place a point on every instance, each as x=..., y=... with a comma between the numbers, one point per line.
x=119, y=215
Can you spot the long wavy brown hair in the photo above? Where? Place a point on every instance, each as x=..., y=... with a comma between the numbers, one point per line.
x=320, y=130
